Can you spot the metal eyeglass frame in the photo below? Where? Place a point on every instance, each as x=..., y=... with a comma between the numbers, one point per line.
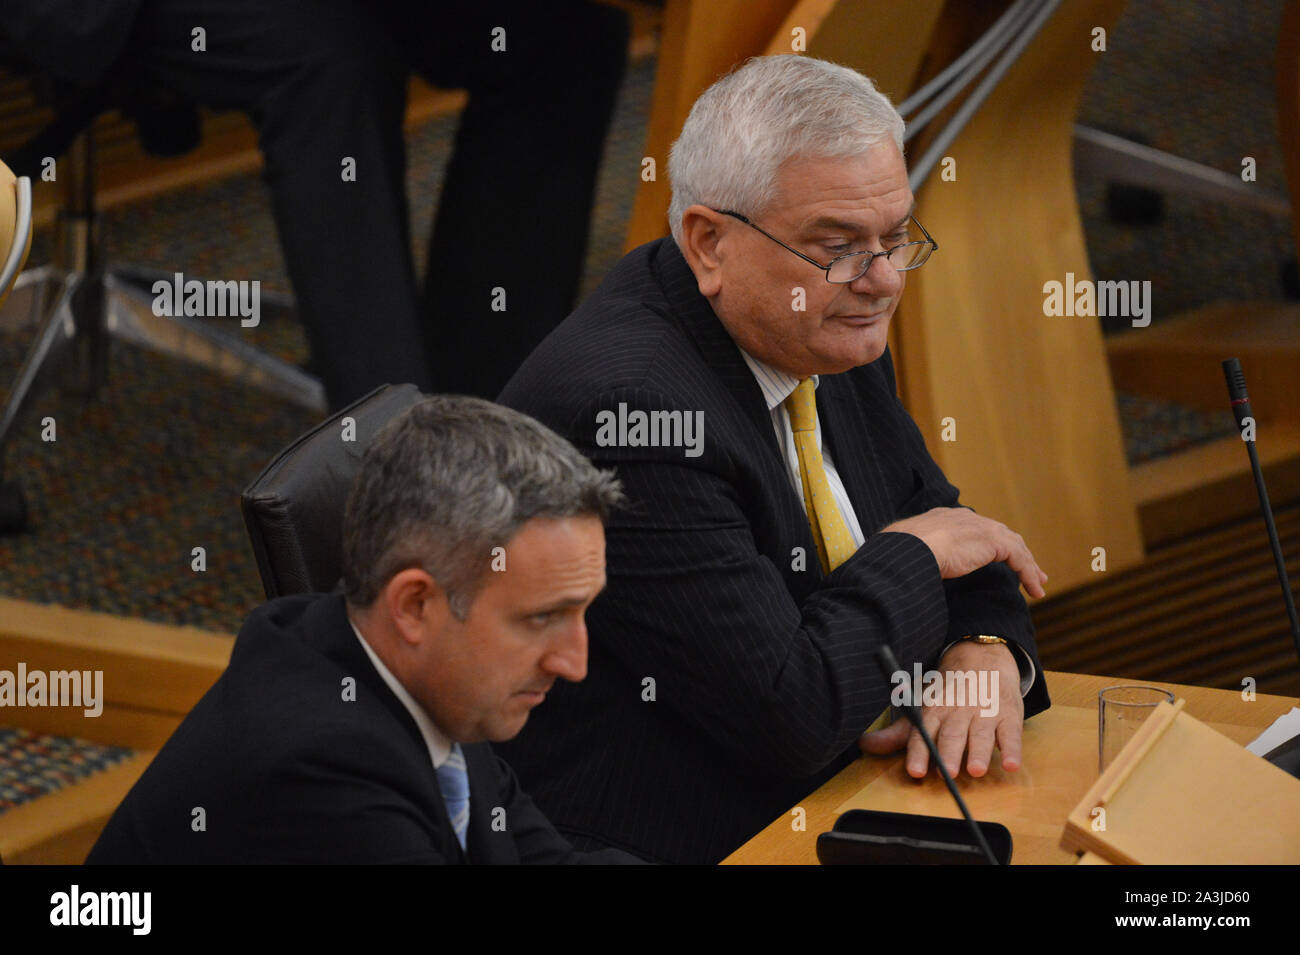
x=871, y=256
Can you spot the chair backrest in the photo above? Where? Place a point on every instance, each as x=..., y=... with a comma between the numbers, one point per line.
x=15, y=227
x=294, y=509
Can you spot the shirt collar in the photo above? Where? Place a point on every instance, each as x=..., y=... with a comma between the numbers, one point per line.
x=435, y=739
x=775, y=385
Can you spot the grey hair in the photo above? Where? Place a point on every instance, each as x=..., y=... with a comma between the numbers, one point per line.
x=450, y=479
x=767, y=111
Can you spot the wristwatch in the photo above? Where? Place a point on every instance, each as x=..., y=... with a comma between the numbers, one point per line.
x=984, y=639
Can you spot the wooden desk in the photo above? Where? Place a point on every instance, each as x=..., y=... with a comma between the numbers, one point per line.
x=1060, y=763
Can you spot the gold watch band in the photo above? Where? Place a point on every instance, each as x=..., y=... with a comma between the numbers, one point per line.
x=984, y=639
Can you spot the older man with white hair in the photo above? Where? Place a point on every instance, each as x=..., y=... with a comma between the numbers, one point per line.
x=757, y=568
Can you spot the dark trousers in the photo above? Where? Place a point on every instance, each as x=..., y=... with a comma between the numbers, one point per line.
x=324, y=81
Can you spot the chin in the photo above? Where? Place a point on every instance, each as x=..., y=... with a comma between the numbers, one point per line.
x=505, y=730
x=839, y=363
x=854, y=351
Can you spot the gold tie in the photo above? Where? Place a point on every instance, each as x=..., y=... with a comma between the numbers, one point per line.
x=829, y=530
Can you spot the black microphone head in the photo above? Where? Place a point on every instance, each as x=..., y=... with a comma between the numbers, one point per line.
x=1235, y=377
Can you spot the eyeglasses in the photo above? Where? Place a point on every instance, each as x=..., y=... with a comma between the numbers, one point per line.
x=851, y=266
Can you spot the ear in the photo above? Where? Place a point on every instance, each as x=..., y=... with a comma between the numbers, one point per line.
x=416, y=605
x=702, y=232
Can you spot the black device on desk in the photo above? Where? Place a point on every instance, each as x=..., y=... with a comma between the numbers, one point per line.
x=871, y=837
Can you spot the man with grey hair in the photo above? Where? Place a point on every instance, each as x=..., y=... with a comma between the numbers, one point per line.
x=756, y=570
x=352, y=727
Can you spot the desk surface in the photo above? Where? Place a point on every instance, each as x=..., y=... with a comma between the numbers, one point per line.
x=1060, y=763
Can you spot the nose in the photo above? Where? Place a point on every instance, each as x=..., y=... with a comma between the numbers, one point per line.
x=880, y=280
x=567, y=656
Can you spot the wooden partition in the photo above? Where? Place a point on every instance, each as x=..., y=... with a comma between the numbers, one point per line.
x=1037, y=436
x=701, y=40
x=153, y=675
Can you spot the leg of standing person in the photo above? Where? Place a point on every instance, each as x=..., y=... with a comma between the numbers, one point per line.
x=323, y=82
x=507, y=249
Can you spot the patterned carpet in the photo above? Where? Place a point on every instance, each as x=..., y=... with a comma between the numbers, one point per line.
x=153, y=467
x=33, y=765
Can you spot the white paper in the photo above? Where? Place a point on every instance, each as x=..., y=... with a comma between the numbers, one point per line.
x=1284, y=727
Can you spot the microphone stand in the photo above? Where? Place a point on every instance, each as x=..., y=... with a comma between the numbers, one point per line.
x=1236, y=380
x=889, y=666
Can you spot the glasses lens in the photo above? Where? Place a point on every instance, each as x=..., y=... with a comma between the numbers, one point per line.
x=849, y=268
x=909, y=255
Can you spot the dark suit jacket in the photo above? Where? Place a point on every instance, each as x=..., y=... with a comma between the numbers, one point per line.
x=288, y=771
x=762, y=667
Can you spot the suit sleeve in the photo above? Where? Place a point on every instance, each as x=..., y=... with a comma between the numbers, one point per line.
x=987, y=600
x=693, y=605
x=535, y=839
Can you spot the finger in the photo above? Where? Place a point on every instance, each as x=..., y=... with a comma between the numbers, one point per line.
x=1016, y=552
x=1009, y=736
x=952, y=737
x=979, y=748
x=1031, y=575
x=918, y=754
x=885, y=741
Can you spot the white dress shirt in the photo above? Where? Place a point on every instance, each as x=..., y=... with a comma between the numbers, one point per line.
x=776, y=387
x=435, y=739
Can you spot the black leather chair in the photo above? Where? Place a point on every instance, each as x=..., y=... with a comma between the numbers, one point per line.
x=294, y=509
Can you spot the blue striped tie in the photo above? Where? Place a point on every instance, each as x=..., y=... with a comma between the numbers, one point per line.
x=453, y=783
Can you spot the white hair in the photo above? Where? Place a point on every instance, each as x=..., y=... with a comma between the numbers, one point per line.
x=771, y=109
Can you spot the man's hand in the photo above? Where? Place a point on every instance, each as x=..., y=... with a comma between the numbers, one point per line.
x=958, y=729
x=962, y=541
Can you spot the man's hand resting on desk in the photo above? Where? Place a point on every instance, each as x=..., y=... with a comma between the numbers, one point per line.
x=962, y=542
x=958, y=729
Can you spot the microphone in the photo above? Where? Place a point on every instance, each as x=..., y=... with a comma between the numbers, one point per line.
x=889, y=665
x=1236, y=380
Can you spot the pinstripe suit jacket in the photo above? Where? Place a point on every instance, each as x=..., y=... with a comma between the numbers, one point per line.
x=728, y=678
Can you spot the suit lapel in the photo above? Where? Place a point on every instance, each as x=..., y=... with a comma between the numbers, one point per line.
x=487, y=846
x=328, y=622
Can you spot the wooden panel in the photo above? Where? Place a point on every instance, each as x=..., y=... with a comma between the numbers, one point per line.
x=701, y=40
x=1164, y=808
x=153, y=674
x=117, y=725
x=1203, y=486
x=885, y=41
x=1207, y=610
x=1038, y=440
x=1179, y=358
